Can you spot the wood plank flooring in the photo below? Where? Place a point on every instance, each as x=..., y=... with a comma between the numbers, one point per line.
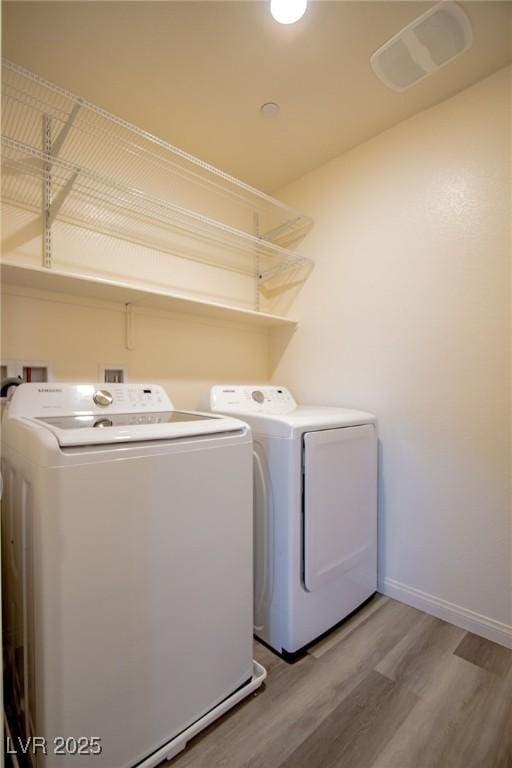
x=391, y=688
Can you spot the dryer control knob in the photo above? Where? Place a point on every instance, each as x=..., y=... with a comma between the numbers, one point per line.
x=102, y=397
x=258, y=396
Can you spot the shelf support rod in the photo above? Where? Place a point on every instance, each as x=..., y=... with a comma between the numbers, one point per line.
x=129, y=327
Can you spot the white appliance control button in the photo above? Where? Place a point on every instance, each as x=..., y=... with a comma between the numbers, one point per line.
x=102, y=397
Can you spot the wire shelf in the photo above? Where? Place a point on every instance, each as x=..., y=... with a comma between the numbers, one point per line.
x=86, y=199
x=92, y=138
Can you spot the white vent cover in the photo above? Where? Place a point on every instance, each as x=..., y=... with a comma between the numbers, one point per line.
x=423, y=46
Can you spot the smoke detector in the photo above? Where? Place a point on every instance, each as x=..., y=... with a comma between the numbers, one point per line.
x=269, y=110
x=423, y=46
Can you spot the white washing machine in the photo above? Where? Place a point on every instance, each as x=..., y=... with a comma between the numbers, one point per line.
x=127, y=530
x=315, y=521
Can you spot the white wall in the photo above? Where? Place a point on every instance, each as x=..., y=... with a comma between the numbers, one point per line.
x=407, y=314
x=185, y=355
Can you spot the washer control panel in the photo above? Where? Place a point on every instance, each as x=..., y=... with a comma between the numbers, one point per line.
x=251, y=399
x=55, y=399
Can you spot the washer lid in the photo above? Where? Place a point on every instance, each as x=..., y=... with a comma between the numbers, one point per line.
x=96, y=429
x=97, y=414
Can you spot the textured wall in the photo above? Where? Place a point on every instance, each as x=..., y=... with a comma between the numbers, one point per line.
x=407, y=314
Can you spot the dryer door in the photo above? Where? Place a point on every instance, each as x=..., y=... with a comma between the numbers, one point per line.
x=340, y=503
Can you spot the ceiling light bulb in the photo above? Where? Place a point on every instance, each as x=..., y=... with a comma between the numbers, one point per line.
x=288, y=11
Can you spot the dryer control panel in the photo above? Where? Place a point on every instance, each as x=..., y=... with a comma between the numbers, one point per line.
x=251, y=399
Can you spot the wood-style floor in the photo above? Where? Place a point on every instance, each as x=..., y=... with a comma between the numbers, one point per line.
x=392, y=688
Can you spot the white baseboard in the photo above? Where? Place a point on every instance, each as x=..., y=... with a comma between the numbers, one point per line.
x=481, y=625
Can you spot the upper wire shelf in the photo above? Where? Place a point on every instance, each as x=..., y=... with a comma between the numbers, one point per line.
x=91, y=138
x=83, y=198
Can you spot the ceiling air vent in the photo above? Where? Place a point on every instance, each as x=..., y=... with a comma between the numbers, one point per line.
x=423, y=46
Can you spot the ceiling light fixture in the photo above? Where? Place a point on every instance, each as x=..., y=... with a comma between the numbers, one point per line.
x=288, y=11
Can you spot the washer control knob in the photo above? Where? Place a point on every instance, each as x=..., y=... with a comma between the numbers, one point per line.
x=258, y=396
x=102, y=397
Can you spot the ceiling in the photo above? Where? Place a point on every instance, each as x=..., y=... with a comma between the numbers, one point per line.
x=196, y=73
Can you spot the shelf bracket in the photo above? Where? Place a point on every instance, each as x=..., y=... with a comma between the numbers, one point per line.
x=289, y=264
x=52, y=206
x=57, y=203
x=272, y=234
x=129, y=327
x=47, y=193
x=258, y=267
x=56, y=146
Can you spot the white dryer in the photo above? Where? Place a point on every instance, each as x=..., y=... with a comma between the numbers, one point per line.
x=315, y=521
x=127, y=531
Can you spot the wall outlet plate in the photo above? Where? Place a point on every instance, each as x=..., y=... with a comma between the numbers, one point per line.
x=28, y=370
x=113, y=373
